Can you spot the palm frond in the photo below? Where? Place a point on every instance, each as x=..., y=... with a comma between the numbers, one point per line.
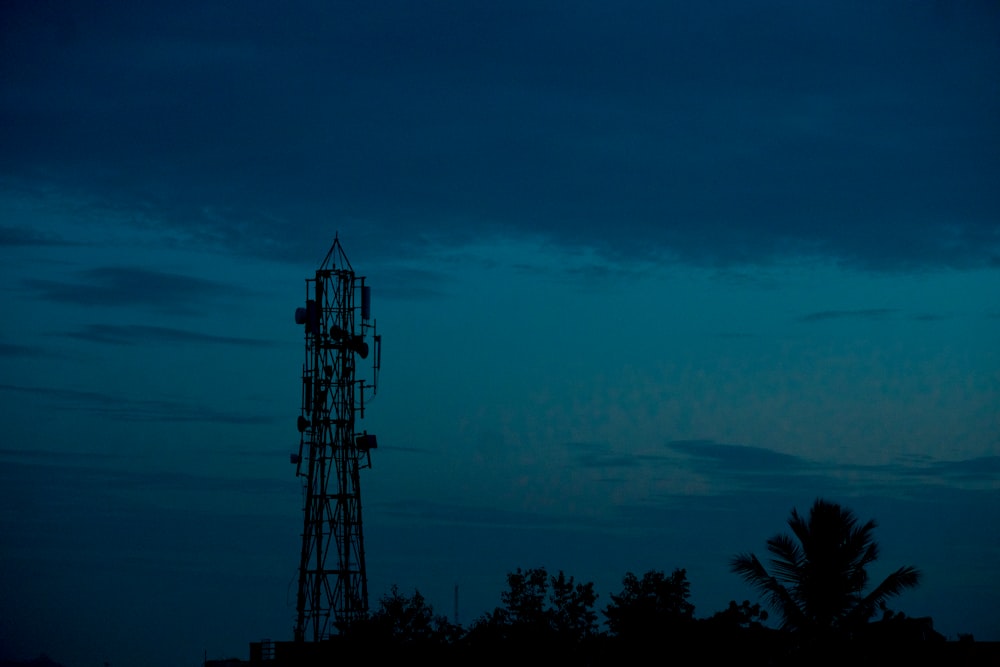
x=818, y=574
x=775, y=594
x=788, y=557
x=891, y=586
x=896, y=583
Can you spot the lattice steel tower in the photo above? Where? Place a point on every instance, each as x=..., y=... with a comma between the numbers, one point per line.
x=333, y=587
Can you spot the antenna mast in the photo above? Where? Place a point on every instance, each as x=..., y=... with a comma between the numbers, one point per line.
x=333, y=586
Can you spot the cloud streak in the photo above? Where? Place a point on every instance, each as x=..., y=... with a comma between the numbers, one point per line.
x=136, y=334
x=130, y=287
x=17, y=351
x=757, y=469
x=133, y=409
x=15, y=237
x=460, y=514
x=710, y=454
x=861, y=314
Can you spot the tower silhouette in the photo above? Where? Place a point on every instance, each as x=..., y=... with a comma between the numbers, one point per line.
x=333, y=586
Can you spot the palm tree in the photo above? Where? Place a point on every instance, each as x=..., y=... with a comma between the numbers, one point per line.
x=818, y=582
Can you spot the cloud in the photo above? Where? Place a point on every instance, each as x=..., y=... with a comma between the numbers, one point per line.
x=710, y=454
x=408, y=450
x=132, y=409
x=105, y=472
x=607, y=461
x=738, y=468
x=717, y=135
x=706, y=468
x=129, y=287
x=134, y=334
x=21, y=236
x=976, y=471
x=411, y=283
x=600, y=456
x=424, y=511
x=26, y=351
x=186, y=482
x=48, y=455
x=862, y=314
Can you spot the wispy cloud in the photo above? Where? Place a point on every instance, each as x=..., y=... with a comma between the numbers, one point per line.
x=26, y=351
x=21, y=236
x=715, y=455
x=860, y=314
x=983, y=469
x=119, y=287
x=176, y=481
x=135, y=334
x=133, y=409
x=464, y=514
x=739, y=468
x=411, y=283
x=43, y=455
x=60, y=481
x=600, y=456
x=608, y=461
x=408, y=450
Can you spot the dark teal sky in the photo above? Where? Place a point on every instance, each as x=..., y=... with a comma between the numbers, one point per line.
x=648, y=276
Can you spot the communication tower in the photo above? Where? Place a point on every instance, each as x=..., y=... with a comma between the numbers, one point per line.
x=333, y=587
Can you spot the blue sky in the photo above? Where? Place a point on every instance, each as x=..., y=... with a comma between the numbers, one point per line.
x=648, y=276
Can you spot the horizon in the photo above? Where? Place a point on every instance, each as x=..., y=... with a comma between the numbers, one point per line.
x=647, y=278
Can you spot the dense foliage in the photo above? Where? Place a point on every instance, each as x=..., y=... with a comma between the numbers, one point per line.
x=816, y=588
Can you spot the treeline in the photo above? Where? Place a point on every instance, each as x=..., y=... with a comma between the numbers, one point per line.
x=815, y=585
x=552, y=617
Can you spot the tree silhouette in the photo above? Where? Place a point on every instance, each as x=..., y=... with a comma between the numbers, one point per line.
x=650, y=606
x=537, y=607
x=405, y=619
x=572, y=608
x=818, y=581
x=524, y=599
x=743, y=616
